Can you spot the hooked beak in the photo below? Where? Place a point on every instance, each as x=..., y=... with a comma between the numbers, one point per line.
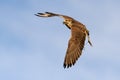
x=64, y=22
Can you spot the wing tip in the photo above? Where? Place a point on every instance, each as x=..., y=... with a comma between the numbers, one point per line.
x=68, y=65
x=40, y=14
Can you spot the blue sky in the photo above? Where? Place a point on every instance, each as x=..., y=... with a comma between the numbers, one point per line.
x=33, y=48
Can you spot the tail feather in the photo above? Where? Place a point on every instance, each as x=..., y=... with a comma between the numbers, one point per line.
x=87, y=34
x=89, y=41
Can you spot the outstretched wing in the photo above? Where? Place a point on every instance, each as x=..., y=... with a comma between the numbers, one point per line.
x=75, y=46
x=47, y=14
x=50, y=14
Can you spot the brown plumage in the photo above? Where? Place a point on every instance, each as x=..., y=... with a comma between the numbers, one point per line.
x=77, y=39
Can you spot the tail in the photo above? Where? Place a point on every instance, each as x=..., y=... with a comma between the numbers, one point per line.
x=47, y=14
x=89, y=41
x=87, y=34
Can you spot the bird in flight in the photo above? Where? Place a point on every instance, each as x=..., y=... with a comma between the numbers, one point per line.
x=77, y=40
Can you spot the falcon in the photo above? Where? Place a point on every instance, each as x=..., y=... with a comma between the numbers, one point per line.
x=76, y=43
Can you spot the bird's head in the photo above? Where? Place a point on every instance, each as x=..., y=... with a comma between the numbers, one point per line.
x=68, y=22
